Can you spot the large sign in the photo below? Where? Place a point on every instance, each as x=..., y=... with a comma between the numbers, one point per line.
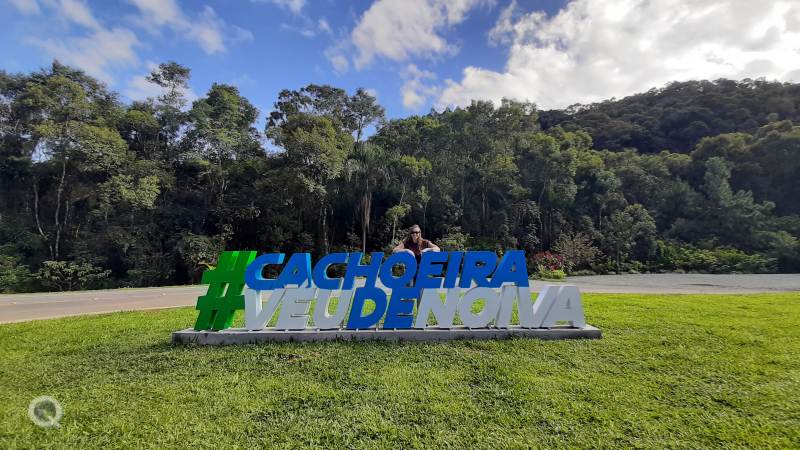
x=455, y=294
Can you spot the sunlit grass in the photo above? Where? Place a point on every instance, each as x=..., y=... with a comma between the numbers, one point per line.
x=686, y=371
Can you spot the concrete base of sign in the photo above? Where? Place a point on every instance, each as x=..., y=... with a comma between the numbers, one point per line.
x=242, y=336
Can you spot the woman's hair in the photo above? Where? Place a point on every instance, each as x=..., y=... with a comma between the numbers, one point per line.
x=411, y=228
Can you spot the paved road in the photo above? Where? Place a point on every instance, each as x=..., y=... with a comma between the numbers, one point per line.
x=673, y=283
x=23, y=307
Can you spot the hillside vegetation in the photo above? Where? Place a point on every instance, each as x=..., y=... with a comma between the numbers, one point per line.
x=98, y=193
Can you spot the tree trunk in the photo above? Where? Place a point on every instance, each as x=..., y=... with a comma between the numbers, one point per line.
x=36, y=216
x=483, y=210
x=394, y=220
x=58, y=224
x=322, y=241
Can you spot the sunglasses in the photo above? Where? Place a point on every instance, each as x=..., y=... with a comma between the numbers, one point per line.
x=416, y=232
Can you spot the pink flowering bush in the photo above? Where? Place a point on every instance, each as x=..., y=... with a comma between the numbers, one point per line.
x=549, y=260
x=550, y=265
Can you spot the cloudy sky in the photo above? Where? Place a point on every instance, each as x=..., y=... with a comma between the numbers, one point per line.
x=413, y=54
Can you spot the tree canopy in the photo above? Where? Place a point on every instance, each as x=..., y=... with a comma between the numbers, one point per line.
x=701, y=175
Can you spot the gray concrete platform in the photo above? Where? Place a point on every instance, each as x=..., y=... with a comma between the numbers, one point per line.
x=233, y=336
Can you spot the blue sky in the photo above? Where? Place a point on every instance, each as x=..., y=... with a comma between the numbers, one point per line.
x=413, y=54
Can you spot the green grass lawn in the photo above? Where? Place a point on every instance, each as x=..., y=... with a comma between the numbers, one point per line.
x=672, y=371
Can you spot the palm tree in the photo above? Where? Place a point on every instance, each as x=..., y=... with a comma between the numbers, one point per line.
x=366, y=166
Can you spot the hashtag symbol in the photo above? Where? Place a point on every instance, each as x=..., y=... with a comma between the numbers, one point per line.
x=225, y=286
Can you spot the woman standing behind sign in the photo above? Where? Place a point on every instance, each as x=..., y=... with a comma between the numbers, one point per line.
x=415, y=244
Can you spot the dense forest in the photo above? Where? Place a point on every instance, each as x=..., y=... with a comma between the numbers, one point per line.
x=694, y=176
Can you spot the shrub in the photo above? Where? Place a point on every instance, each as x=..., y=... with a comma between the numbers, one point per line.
x=785, y=248
x=68, y=276
x=453, y=241
x=583, y=273
x=14, y=277
x=549, y=260
x=716, y=260
x=546, y=274
x=577, y=250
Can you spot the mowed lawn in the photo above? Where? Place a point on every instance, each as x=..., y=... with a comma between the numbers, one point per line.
x=672, y=371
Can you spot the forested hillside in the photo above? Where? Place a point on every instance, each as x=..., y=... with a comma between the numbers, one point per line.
x=98, y=193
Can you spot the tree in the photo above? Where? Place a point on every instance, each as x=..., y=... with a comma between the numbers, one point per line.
x=727, y=217
x=70, y=124
x=173, y=78
x=150, y=191
x=365, y=168
x=363, y=110
x=406, y=171
x=316, y=151
x=630, y=230
x=68, y=276
x=577, y=250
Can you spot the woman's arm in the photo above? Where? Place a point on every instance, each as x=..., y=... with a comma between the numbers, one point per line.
x=432, y=248
x=399, y=247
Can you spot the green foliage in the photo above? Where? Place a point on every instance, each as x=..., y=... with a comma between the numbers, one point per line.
x=577, y=250
x=14, y=277
x=547, y=274
x=70, y=276
x=628, y=231
x=785, y=249
x=454, y=241
x=152, y=190
x=717, y=260
x=680, y=114
x=199, y=253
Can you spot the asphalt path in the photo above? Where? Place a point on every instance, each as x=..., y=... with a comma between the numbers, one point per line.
x=24, y=307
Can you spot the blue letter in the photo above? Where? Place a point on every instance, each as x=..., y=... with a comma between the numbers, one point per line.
x=321, y=279
x=296, y=271
x=472, y=271
x=356, y=321
x=404, y=258
x=401, y=307
x=453, y=267
x=427, y=269
x=354, y=269
x=253, y=276
x=512, y=259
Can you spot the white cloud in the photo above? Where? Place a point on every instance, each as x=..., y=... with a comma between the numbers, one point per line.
x=207, y=29
x=339, y=62
x=240, y=34
x=295, y=6
x=596, y=49
x=415, y=90
x=504, y=28
x=27, y=7
x=372, y=92
x=402, y=29
x=324, y=26
x=307, y=27
x=244, y=80
x=78, y=12
x=95, y=53
x=303, y=31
